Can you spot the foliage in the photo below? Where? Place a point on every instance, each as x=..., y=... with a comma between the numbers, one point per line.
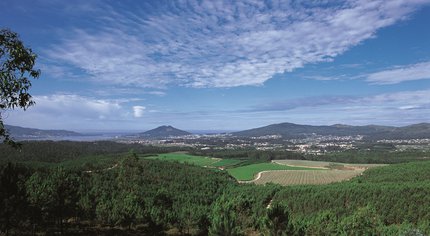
x=278, y=221
x=364, y=221
x=53, y=193
x=224, y=218
x=13, y=202
x=16, y=69
x=248, y=203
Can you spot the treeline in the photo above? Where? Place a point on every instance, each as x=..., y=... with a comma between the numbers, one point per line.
x=57, y=151
x=249, y=153
x=360, y=156
x=371, y=156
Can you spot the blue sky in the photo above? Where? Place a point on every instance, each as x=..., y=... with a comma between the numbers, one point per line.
x=223, y=65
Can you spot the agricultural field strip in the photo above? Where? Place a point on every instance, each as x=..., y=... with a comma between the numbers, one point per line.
x=294, y=177
x=304, y=166
x=186, y=158
x=248, y=172
x=259, y=174
x=322, y=164
x=226, y=162
x=196, y=160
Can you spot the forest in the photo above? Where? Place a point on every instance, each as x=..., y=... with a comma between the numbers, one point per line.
x=112, y=190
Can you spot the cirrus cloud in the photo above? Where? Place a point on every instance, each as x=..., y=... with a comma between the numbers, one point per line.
x=400, y=74
x=220, y=43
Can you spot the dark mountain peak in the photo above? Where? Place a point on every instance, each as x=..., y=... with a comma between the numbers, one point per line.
x=164, y=131
x=286, y=124
x=165, y=127
x=341, y=126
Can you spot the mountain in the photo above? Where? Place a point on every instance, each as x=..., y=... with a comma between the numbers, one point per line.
x=290, y=130
x=163, y=132
x=18, y=132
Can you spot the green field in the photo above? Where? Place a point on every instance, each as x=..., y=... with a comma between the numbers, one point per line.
x=185, y=158
x=226, y=162
x=244, y=173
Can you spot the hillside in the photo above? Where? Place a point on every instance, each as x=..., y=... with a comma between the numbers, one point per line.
x=18, y=132
x=290, y=130
x=163, y=132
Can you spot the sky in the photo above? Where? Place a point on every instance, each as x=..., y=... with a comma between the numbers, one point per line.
x=223, y=65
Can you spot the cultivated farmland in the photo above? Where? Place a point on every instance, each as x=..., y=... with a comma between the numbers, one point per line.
x=249, y=172
x=295, y=177
x=324, y=164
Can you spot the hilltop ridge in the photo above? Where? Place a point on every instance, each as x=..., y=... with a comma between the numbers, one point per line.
x=290, y=130
x=20, y=133
x=163, y=131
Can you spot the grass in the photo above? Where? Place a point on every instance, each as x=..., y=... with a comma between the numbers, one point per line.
x=185, y=158
x=226, y=162
x=248, y=172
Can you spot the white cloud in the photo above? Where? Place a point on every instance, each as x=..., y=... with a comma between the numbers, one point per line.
x=68, y=110
x=401, y=73
x=138, y=111
x=218, y=43
x=71, y=105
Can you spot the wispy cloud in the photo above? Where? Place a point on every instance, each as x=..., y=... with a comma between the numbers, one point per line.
x=400, y=74
x=323, y=78
x=306, y=102
x=405, y=100
x=220, y=43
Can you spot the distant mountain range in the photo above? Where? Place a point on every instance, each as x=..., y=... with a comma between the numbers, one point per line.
x=18, y=132
x=290, y=130
x=286, y=130
x=163, y=132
